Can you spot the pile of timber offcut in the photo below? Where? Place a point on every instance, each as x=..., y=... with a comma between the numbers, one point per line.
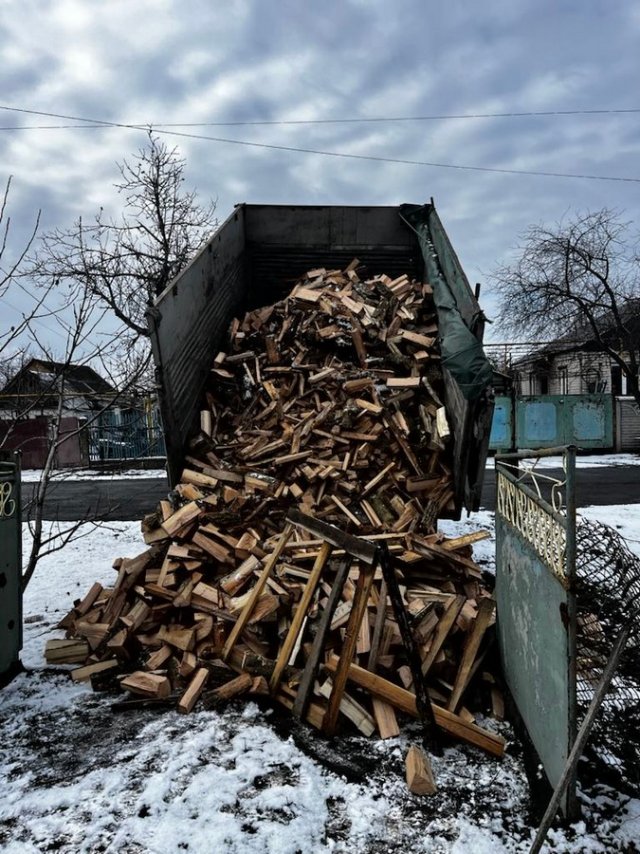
x=298, y=555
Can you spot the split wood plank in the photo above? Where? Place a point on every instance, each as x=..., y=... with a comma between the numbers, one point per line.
x=301, y=612
x=256, y=591
x=443, y=628
x=406, y=702
x=313, y=662
x=358, y=609
x=480, y=625
x=351, y=709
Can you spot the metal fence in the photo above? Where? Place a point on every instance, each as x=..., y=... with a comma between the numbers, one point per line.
x=608, y=597
x=535, y=573
x=566, y=587
x=126, y=435
x=544, y=421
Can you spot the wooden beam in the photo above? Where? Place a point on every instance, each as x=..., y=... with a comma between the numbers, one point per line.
x=406, y=702
x=317, y=649
x=301, y=612
x=243, y=619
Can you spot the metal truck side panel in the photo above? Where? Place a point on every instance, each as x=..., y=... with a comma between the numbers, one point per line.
x=188, y=323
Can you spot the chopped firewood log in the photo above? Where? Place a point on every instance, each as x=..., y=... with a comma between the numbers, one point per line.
x=87, y=603
x=71, y=651
x=158, y=658
x=385, y=717
x=147, y=684
x=419, y=774
x=188, y=664
x=181, y=637
x=81, y=674
x=240, y=685
x=191, y=695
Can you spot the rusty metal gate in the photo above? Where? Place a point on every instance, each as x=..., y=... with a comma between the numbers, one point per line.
x=10, y=565
x=535, y=592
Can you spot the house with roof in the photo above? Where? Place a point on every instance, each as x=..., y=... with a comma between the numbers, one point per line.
x=97, y=422
x=29, y=405
x=35, y=390
x=580, y=362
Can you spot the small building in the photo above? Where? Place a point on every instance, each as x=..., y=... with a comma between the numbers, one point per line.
x=578, y=363
x=29, y=403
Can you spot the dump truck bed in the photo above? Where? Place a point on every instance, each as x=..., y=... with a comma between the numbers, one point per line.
x=254, y=259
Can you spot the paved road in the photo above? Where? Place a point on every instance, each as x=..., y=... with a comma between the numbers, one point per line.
x=117, y=500
x=615, y=485
x=131, y=499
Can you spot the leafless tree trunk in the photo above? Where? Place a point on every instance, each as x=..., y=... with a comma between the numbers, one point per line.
x=82, y=325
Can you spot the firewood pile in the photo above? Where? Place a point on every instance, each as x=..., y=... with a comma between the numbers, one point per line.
x=298, y=555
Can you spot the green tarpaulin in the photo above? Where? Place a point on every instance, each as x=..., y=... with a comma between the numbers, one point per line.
x=458, y=312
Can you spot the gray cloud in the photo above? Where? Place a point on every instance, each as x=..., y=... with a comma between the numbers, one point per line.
x=261, y=59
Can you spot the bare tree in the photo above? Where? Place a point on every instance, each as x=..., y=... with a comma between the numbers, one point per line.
x=85, y=344
x=578, y=280
x=87, y=340
x=126, y=262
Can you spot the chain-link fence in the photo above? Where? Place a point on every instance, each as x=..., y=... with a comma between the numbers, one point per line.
x=608, y=597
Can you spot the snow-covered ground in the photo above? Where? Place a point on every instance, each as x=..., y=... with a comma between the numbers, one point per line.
x=76, y=777
x=588, y=461
x=34, y=475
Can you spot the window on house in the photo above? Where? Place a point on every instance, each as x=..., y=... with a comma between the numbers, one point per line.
x=532, y=384
x=563, y=380
x=616, y=379
x=544, y=385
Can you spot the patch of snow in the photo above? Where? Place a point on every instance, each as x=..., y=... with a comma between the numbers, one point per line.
x=76, y=777
x=34, y=475
x=624, y=518
x=590, y=461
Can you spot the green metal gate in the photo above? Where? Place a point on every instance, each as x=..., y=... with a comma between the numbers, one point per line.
x=10, y=565
x=535, y=593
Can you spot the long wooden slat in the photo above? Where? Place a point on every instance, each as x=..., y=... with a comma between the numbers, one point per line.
x=256, y=591
x=301, y=612
x=313, y=662
x=338, y=538
x=378, y=627
x=422, y=698
x=480, y=625
x=442, y=630
x=406, y=702
x=358, y=609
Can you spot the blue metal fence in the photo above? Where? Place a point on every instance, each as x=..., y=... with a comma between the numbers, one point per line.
x=126, y=434
x=584, y=420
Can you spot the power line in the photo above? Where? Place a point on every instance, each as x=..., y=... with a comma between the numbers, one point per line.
x=337, y=154
x=330, y=121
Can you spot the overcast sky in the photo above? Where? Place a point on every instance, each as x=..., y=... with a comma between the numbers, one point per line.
x=164, y=61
